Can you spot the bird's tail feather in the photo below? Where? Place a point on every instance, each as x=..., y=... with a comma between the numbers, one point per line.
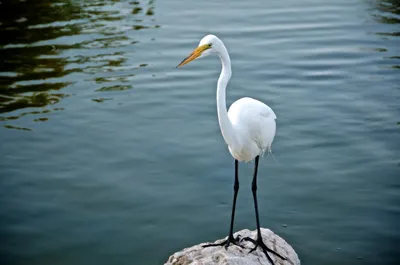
x=269, y=152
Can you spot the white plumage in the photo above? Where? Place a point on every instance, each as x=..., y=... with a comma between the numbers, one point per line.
x=254, y=124
x=249, y=126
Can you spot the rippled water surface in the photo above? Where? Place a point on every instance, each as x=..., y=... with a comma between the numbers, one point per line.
x=111, y=155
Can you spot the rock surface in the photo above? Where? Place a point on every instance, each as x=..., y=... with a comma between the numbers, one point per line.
x=235, y=255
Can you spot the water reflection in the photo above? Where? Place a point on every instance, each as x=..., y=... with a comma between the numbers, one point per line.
x=22, y=69
x=46, y=44
x=388, y=12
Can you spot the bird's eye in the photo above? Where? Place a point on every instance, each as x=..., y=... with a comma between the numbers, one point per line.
x=209, y=45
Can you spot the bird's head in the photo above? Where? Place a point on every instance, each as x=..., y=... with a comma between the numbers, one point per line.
x=208, y=45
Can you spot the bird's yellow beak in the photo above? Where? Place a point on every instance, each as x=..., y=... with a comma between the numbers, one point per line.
x=195, y=54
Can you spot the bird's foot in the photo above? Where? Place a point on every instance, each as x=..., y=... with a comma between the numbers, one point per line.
x=259, y=243
x=230, y=240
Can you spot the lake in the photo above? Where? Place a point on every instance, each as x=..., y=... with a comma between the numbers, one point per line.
x=111, y=155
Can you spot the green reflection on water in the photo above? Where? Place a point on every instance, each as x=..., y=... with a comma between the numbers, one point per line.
x=16, y=127
x=24, y=82
x=115, y=88
x=388, y=12
x=101, y=100
x=34, y=68
x=136, y=10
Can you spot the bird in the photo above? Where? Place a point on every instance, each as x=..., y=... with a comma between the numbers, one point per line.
x=248, y=128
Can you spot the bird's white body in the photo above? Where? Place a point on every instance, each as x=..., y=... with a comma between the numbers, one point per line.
x=254, y=124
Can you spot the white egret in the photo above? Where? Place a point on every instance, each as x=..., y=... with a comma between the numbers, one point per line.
x=248, y=129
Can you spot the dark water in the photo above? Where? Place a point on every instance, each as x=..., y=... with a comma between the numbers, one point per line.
x=110, y=155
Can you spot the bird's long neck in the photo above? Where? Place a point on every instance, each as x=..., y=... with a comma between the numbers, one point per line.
x=225, y=124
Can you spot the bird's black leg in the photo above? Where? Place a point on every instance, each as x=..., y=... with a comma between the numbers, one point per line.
x=259, y=242
x=231, y=239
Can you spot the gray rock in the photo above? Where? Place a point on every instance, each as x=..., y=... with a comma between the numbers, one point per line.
x=235, y=255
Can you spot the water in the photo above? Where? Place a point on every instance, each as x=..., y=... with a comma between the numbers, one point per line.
x=111, y=155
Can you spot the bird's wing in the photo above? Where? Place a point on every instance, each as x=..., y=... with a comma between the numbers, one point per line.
x=267, y=112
